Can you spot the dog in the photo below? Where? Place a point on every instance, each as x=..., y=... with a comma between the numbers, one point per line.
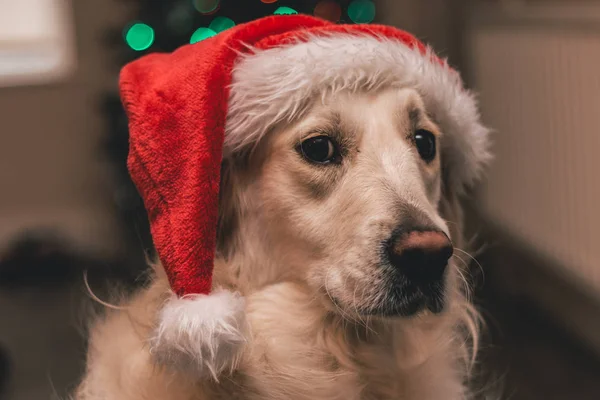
x=340, y=229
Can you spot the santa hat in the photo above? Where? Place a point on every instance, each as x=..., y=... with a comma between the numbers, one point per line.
x=205, y=101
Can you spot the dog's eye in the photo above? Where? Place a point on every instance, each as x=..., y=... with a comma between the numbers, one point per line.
x=425, y=142
x=319, y=149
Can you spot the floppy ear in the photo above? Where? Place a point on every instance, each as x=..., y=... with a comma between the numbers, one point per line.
x=465, y=156
x=452, y=206
x=451, y=210
x=228, y=210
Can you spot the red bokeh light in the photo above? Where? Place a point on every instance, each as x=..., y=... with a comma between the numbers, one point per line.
x=329, y=10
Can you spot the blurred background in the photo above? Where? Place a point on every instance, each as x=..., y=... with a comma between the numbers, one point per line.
x=67, y=206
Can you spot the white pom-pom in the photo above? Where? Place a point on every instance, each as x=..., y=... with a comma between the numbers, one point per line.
x=202, y=334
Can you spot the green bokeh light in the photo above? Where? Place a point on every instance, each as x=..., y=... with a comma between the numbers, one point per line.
x=285, y=11
x=206, y=6
x=139, y=36
x=361, y=11
x=220, y=24
x=201, y=34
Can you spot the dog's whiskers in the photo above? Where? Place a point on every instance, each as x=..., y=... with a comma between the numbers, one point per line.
x=342, y=313
x=368, y=317
x=359, y=318
x=346, y=317
x=474, y=259
x=356, y=318
x=355, y=306
x=463, y=279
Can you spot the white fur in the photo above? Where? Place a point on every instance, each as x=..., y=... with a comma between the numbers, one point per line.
x=278, y=85
x=204, y=334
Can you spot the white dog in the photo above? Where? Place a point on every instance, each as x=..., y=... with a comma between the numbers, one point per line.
x=338, y=229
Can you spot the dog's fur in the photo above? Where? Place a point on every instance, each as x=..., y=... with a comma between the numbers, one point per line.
x=302, y=244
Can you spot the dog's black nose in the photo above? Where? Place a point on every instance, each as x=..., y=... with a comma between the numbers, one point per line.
x=421, y=255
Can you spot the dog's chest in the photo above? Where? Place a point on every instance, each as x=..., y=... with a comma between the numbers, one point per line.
x=299, y=373
x=370, y=373
x=299, y=351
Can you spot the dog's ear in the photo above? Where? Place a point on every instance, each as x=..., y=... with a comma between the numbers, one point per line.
x=228, y=210
x=451, y=209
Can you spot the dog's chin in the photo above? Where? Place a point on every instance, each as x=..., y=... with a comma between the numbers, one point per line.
x=395, y=308
x=406, y=309
x=408, y=303
x=403, y=301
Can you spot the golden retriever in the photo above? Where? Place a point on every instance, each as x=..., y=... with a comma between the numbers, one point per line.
x=336, y=229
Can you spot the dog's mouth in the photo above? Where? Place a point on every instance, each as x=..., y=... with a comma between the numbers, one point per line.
x=409, y=301
x=406, y=301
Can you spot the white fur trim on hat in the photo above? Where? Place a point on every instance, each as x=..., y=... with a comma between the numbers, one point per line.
x=203, y=334
x=278, y=84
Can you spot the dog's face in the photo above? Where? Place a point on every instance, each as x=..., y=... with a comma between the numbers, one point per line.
x=346, y=199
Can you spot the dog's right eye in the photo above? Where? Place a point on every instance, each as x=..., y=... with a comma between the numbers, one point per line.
x=320, y=149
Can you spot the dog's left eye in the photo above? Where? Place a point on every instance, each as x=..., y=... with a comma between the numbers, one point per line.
x=425, y=142
x=319, y=149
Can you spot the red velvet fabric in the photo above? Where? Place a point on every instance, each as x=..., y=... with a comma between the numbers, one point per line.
x=177, y=105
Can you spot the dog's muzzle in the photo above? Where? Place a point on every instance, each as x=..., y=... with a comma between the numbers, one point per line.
x=418, y=259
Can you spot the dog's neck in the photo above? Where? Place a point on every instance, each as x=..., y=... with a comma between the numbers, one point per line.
x=310, y=351
x=249, y=262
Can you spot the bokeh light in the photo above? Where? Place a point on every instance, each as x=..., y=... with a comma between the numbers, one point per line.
x=179, y=19
x=201, y=34
x=329, y=10
x=206, y=6
x=268, y=1
x=361, y=11
x=220, y=24
x=285, y=11
x=139, y=36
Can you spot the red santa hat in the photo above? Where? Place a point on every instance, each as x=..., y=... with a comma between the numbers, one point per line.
x=189, y=109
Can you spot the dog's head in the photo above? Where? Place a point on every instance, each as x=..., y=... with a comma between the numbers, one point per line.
x=351, y=188
x=347, y=199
